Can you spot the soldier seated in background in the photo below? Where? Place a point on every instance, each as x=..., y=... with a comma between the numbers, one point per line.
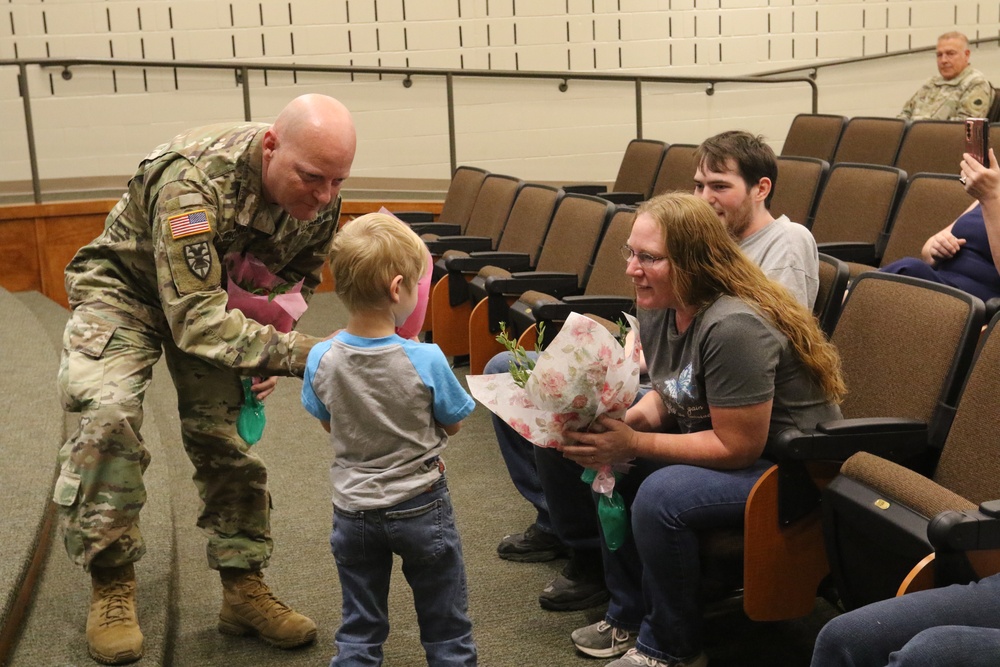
x=957, y=92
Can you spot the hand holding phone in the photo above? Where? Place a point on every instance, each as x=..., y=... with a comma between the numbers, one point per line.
x=977, y=139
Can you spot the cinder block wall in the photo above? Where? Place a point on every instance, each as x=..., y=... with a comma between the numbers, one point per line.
x=101, y=121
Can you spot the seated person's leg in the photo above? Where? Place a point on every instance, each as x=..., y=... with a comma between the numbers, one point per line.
x=574, y=518
x=950, y=645
x=673, y=505
x=869, y=634
x=912, y=266
x=538, y=543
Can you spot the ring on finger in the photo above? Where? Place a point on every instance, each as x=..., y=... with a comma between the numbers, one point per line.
x=961, y=179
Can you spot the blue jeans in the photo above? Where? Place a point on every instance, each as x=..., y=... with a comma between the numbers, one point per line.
x=563, y=503
x=655, y=577
x=955, y=625
x=422, y=531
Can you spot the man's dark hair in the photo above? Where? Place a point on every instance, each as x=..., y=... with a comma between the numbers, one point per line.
x=754, y=159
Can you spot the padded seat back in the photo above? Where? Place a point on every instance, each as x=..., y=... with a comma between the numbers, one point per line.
x=871, y=140
x=573, y=235
x=905, y=345
x=461, y=196
x=639, y=166
x=857, y=203
x=970, y=461
x=529, y=219
x=493, y=204
x=930, y=203
x=833, y=278
x=934, y=146
x=607, y=276
x=796, y=193
x=814, y=135
x=677, y=170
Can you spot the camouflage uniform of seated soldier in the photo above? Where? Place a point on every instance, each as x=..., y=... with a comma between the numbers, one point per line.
x=153, y=283
x=957, y=92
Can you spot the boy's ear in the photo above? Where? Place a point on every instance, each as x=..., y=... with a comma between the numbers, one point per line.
x=394, y=287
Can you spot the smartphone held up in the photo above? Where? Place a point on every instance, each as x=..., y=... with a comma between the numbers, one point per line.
x=977, y=139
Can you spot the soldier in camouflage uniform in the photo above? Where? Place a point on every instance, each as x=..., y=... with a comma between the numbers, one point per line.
x=958, y=92
x=153, y=281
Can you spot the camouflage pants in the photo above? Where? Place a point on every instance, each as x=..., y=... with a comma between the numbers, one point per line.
x=104, y=373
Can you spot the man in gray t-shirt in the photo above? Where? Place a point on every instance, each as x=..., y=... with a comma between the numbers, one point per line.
x=736, y=175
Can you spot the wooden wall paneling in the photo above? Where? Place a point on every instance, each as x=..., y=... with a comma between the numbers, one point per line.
x=19, y=255
x=61, y=236
x=37, y=241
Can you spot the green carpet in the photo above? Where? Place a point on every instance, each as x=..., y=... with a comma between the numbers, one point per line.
x=510, y=627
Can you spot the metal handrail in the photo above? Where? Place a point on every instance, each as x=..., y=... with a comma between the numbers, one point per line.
x=814, y=68
x=243, y=69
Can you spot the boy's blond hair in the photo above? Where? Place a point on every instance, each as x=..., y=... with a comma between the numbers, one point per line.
x=368, y=253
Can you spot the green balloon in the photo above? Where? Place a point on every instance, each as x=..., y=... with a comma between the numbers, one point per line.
x=250, y=423
x=611, y=513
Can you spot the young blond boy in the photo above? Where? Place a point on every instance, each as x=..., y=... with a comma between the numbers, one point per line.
x=389, y=405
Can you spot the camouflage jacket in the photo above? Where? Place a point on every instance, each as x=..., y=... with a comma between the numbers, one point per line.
x=968, y=95
x=192, y=202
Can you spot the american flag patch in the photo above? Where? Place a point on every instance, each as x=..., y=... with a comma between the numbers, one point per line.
x=195, y=222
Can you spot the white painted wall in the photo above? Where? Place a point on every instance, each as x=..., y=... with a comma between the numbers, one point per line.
x=102, y=121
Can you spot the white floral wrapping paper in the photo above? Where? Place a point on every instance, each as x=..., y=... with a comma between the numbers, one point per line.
x=582, y=374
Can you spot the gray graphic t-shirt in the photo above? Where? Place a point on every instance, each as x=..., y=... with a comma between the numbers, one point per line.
x=730, y=356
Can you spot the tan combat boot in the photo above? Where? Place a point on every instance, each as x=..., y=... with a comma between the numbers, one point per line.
x=249, y=608
x=113, y=634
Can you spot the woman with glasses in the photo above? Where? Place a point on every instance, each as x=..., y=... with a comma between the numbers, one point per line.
x=733, y=360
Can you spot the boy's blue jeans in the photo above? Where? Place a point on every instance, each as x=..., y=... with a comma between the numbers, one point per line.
x=422, y=531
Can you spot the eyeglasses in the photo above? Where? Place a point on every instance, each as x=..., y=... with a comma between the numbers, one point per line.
x=645, y=259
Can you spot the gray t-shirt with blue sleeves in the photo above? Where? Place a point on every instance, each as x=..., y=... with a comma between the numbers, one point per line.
x=382, y=397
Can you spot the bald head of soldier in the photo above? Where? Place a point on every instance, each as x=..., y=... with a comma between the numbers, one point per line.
x=952, y=54
x=308, y=153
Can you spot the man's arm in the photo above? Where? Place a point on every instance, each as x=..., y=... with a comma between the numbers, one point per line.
x=183, y=220
x=907, y=111
x=975, y=102
x=450, y=429
x=792, y=260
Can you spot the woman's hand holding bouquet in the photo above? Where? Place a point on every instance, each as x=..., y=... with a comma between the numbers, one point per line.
x=583, y=374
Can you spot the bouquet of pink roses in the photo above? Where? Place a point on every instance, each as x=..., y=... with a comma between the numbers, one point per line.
x=583, y=373
x=261, y=295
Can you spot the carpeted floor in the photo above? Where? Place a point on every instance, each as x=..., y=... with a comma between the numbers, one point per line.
x=511, y=629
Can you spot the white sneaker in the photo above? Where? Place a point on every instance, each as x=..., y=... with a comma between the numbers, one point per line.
x=635, y=659
x=603, y=640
